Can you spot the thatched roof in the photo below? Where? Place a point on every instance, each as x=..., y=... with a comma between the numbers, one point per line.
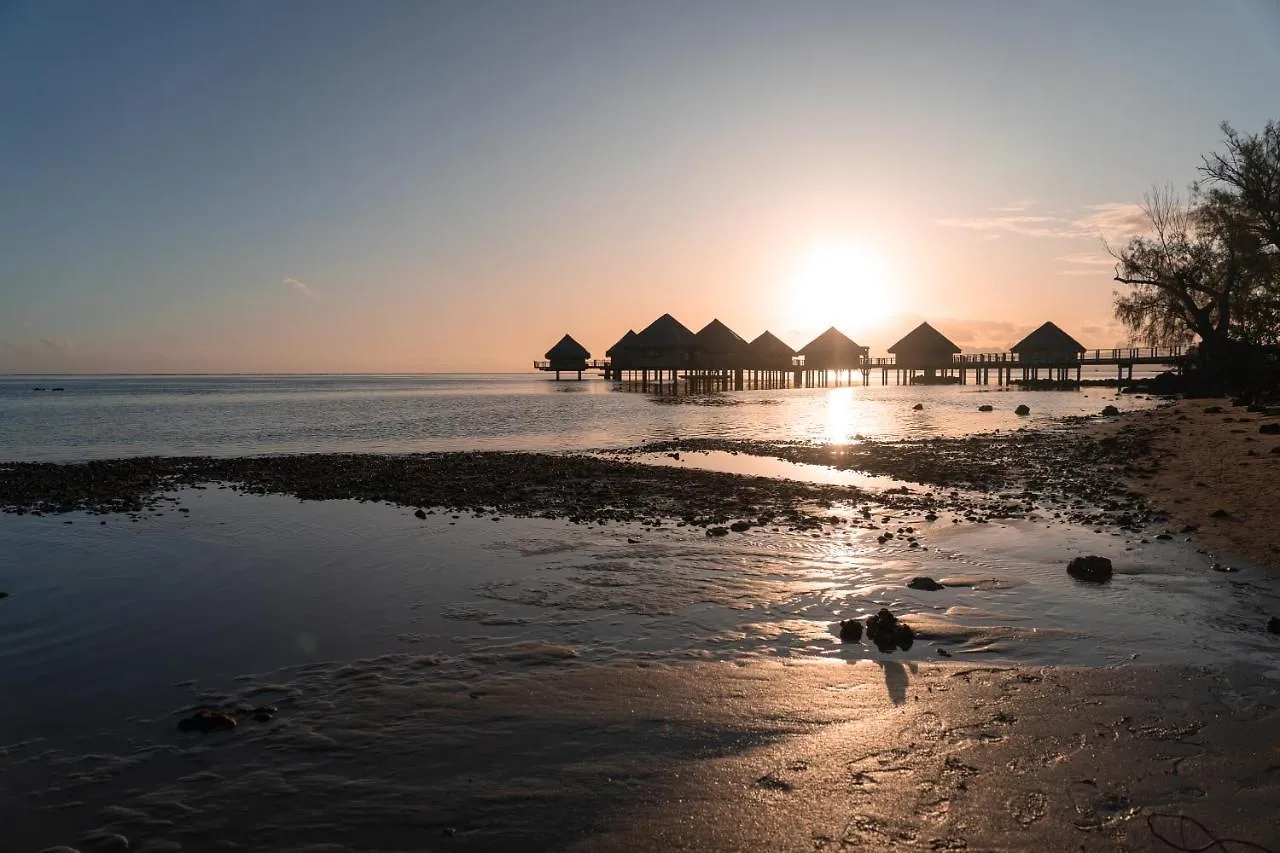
x=568, y=350
x=625, y=342
x=1048, y=339
x=831, y=343
x=770, y=346
x=924, y=339
x=666, y=332
x=716, y=337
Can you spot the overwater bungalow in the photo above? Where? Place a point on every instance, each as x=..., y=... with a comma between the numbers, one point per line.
x=833, y=350
x=567, y=354
x=769, y=352
x=619, y=354
x=665, y=344
x=722, y=348
x=924, y=348
x=1048, y=345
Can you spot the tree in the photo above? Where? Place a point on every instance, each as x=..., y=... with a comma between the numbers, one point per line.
x=1210, y=269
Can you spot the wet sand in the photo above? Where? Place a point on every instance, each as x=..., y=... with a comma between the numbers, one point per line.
x=1198, y=465
x=402, y=753
x=522, y=745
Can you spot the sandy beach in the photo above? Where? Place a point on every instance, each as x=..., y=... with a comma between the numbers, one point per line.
x=1208, y=465
x=530, y=743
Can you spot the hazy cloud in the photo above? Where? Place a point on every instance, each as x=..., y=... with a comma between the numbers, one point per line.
x=1112, y=221
x=300, y=287
x=55, y=345
x=1016, y=206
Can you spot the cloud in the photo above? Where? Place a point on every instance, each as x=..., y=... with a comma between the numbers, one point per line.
x=1111, y=221
x=300, y=287
x=56, y=345
x=1016, y=206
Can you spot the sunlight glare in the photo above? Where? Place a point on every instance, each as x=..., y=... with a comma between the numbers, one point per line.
x=841, y=283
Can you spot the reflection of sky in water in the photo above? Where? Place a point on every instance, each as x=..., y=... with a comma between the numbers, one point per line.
x=116, y=615
x=102, y=418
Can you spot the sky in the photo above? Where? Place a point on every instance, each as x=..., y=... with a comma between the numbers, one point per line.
x=378, y=186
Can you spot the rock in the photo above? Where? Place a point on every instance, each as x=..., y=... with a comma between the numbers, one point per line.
x=926, y=584
x=740, y=526
x=717, y=531
x=1024, y=409
x=985, y=407
x=1219, y=513
x=888, y=633
x=1163, y=537
x=943, y=653
x=1213, y=410
x=105, y=841
x=1276, y=449
x=850, y=631
x=420, y=513
x=1274, y=625
x=59, y=849
x=1219, y=567
x=1093, y=569
x=1270, y=429
x=1110, y=412
x=3, y=594
x=206, y=720
x=917, y=407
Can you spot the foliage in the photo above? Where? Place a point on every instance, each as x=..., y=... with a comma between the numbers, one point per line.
x=1209, y=269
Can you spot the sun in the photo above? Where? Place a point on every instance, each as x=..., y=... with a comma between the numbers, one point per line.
x=841, y=283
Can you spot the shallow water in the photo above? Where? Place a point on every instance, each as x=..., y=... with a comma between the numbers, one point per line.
x=120, y=617
x=109, y=417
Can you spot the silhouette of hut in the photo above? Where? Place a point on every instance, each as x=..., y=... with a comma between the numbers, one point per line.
x=833, y=350
x=770, y=353
x=664, y=344
x=1048, y=345
x=620, y=353
x=568, y=354
x=924, y=347
x=722, y=348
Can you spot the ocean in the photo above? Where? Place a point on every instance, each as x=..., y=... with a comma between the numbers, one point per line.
x=131, y=616
x=109, y=417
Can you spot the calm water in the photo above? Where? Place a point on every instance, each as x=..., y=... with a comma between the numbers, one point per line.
x=135, y=618
x=97, y=417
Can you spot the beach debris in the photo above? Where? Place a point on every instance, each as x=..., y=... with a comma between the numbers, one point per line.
x=1091, y=568
x=986, y=407
x=1273, y=625
x=1270, y=429
x=925, y=583
x=207, y=720
x=1024, y=409
x=850, y=631
x=740, y=526
x=717, y=531
x=420, y=513
x=1110, y=412
x=917, y=407
x=888, y=633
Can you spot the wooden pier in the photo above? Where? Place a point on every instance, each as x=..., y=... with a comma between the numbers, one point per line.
x=667, y=356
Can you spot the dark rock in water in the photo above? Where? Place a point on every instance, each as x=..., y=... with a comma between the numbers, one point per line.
x=740, y=526
x=1269, y=429
x=888, y=633
x=57, y=389
x=926, y=584
x=1274, y=625
x=1093, y=569
x=943, y=653
x=1213, y=410
x=1219, y=567
x=206, y=720
x=3, y=594
x=1219, y=513
x=917, y=407
x=717, y=531
x=1024, y=409
x=850, y=631
x=1110, y=412
x=986, y=408
x=420, y=513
